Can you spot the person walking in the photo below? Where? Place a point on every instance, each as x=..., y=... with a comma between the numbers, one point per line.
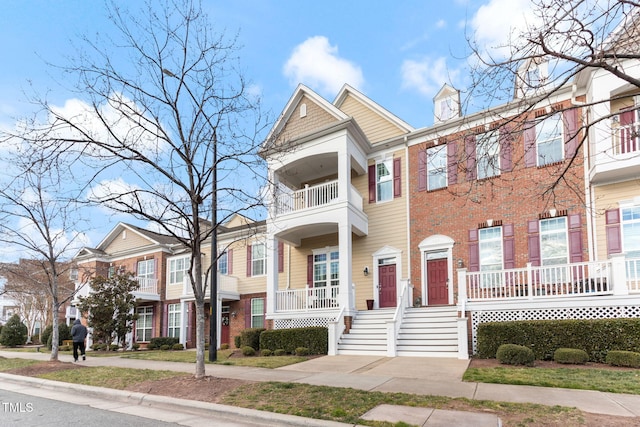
x=78, y=334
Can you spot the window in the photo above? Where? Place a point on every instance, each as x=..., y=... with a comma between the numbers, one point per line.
x=549, y=140
x=488, y=155
x=223, y=263
x=173, y=329
x=111, y=272
x=257, y=312
x=178, y=268
x=146, y=269
x=631, y=239
x=144, y=324
x=554, y=246
x=491, y=256
x=447, y=108
x=258, y=259
x=326, y=269
x=384, y=181
x=437, y=167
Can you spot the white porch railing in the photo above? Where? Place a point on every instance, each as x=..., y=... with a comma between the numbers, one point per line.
x=626, y=139
x=308, y=197
x=147, y=285
x=393, y=326
x=579, y=279
x=307, y=298
x=616, y=276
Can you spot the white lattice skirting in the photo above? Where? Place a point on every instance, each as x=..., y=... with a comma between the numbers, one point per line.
x=302, y=322
x=592, y=312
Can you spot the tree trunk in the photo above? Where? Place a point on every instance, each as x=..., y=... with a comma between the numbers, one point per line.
x=55, y=334
x=200, y=370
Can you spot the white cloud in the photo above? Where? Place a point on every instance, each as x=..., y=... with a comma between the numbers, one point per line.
x=317, y=64
x=498, y=21
x=427, y=75
x=441, y=23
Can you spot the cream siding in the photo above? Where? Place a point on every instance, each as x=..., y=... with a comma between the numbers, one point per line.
x=608, y=197
x=375, y=127
x=132, y=240
x=315, y=118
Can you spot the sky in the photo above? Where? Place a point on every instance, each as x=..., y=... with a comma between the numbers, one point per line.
x=398, y=53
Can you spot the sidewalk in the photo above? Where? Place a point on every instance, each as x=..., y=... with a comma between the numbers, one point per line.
x=424, y=376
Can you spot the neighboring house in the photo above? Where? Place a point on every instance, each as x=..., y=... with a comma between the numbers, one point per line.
x=142, y=253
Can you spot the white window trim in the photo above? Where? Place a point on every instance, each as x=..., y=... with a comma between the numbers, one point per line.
x=566, y=239
x=482, y=140
x=261, y=315
x=622, y=207
x=561, y=137
x=174, y=313
x=388, y=162
x=253, y=260
x=326, y=251
x=442, y=151
x=187, y=259
x=147, y=313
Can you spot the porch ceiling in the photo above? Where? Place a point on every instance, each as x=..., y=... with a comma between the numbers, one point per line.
x=294, y=236
x=309, y=169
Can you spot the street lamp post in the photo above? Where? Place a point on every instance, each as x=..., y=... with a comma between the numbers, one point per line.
x=213, y=300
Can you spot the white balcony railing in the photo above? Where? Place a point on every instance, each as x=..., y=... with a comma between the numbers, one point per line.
x=147, y=285
x=626, y=139
x=307, y=298
x=579, y=279
x=226, y=284
x=308, y=197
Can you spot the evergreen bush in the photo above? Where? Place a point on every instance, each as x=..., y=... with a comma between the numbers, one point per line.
x=572, y=356
x=513, y=354
x=315, y=339
x=248, y=351
x=14, y=332
x=629, y=359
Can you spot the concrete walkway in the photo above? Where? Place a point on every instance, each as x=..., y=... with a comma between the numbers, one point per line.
x=424, y=376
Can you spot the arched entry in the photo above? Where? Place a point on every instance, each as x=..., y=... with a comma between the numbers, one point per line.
x=436, y=261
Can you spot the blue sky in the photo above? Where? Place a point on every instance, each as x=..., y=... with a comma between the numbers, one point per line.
x=399, y=53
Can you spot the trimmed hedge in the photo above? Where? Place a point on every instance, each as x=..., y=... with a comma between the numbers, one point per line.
x=572, y=356
x=159, y=342
x=513, y=354
x=629, y=359
x=544, y=337
x=315, y=339
x=251, y=338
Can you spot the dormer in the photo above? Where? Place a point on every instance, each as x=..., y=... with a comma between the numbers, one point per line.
x=446, y=104
x=531, y=77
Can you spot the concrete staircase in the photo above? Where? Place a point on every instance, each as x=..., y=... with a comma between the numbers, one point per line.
x=429, y=332
x=368, y=334
x=425, y=332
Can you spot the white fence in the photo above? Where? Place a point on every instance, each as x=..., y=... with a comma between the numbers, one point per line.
x=308, y=197
x=147, y=285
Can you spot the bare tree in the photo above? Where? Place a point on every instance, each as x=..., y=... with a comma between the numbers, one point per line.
x=38, y=222
x=563, y=43
x=165, y=114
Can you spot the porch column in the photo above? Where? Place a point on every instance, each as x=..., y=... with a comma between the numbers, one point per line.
x=344, y=175
x=272, y=273
x=184, y=322
x=346, y=274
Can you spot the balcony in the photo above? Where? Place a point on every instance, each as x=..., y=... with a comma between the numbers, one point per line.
x=147, y=289
x=227, y=288
x=615, y=156
x=308, y=197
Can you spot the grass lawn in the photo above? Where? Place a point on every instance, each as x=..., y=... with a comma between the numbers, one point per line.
x=614, y=381
x=223, y=356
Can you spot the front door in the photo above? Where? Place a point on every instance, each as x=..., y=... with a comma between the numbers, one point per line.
x=387, y=285
x=224, y=328
x=437, y=271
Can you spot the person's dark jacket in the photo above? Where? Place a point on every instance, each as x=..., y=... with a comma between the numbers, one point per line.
x=78, y=331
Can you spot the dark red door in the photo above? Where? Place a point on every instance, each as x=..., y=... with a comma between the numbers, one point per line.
x=387, y=290
x=224, y=329
x=437, y=282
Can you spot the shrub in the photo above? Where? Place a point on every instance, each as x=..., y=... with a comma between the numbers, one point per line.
x=629, y=359
x=279, y=352
x=64, y=333
x=302, y=351
x=158, y=342
x=573, y=356
x=224, y=346
x=135, y=346
x=248, y=351
x=513, y=354
x=315, y=339
x=14, y=332
x=266, y=352
x=251, y=337
x=98, y=347
x=236, y=341
x=113, y=347
x=177, y=346
x=165, y=347
x=46, y=334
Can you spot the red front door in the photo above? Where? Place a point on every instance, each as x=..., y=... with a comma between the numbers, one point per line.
x=224, y=328
x=437, y=282
x=387, y=287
